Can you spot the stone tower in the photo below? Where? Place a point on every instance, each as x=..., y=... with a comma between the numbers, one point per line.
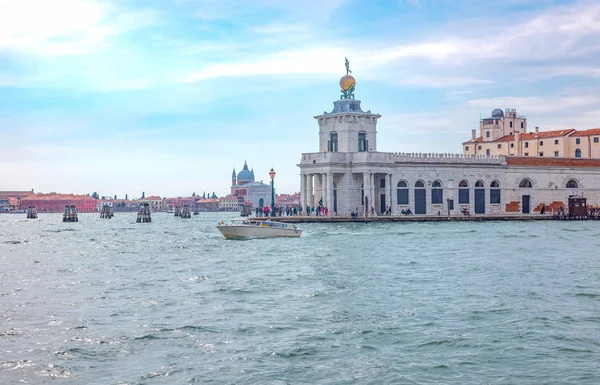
x=347, y=128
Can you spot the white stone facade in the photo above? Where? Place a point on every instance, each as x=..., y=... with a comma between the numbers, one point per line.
x=345, y=178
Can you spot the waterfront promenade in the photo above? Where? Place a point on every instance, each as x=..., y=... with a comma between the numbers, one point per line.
x=411, y=218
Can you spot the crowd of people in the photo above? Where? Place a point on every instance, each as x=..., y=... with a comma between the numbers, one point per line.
x=291, y=211
x=285, y=211
x=321, y=210
x=318, y=211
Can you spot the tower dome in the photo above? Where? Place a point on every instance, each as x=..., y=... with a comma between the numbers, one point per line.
x=245, y=175
x=497, y=113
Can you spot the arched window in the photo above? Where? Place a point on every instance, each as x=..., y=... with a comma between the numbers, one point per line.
x=525, y=183
x=463, y=192
x=420, y=198
x=572, y=183
x=437, y=193
x=495, y=192
x=402, y=192
x=577, y=153
x=479, y=184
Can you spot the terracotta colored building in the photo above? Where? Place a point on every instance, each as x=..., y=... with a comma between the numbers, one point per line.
x=211, y=204
x=55, y=203
x=171, y=203
x=286, y=200
x=505, y=133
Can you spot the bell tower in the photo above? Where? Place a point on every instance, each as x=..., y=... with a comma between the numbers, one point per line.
x=347, y=128
x=233, y=181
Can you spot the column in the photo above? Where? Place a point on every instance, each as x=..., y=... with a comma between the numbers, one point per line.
x=372, y=192
x=366, y=189
x=303, y=191
x=393, y=196
x=324, y=189
x=330, y=193
x=309, y=190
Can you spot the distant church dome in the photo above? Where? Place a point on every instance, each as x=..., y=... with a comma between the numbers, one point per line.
x=497, y=113
x=245, y=175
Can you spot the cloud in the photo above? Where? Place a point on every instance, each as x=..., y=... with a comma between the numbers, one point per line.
x=63, y=27
x=317, y=60
x=473, y=55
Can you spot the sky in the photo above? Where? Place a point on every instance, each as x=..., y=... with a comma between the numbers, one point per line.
x=166, y=97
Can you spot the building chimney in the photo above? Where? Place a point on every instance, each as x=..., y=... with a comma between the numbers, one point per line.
x=537, y=130
x=474, y=135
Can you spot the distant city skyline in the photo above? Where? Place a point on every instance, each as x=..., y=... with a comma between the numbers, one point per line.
x=167, y=97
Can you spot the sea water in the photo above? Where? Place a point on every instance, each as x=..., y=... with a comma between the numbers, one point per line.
x=111, y=301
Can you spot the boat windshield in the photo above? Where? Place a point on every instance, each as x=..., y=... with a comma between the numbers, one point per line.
x=240, y=221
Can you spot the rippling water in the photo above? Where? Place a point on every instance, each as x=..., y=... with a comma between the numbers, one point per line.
x=172, y=302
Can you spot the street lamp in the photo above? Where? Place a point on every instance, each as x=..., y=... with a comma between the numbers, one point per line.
x=272, y=175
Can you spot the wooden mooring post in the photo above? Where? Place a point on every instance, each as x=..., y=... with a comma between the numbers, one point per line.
x=196, y=210
x=185, y=211
x=106, y=212
x=31, y=212
x=177, y=211
x=70, y=214
x=144, y=213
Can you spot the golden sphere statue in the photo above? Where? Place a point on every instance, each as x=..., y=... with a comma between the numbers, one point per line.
x=347, y=81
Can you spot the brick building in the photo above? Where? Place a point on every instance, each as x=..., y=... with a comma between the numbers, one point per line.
x=55, y=203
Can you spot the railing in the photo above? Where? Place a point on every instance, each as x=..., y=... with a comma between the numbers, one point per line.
x=401, y=157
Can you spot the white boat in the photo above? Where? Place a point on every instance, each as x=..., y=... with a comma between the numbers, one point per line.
x=244, y=228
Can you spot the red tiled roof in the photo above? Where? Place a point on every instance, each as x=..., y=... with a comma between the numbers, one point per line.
x=531, y=135
x=591, y=131
x=208, y=200
x=546, y=134
x=14, y=194
x=57, y=197
x=477, y=140
x=152, y=198
x=505, y=138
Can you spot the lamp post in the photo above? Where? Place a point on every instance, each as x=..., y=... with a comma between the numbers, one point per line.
x=272, y=175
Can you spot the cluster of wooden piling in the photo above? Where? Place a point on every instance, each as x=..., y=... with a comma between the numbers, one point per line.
x=70, y=214
x=144, y=213
x=31, y=212
x=185, y=212
x=107, y=212
x=177, y=211
x=196, y=210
